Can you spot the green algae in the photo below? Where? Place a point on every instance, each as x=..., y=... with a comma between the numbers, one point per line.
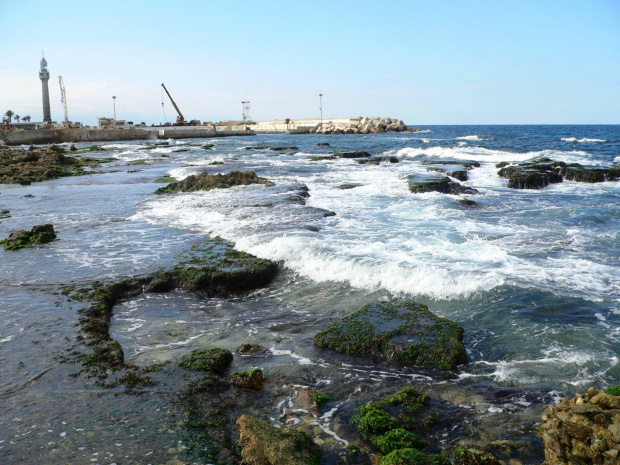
x=613, y=391
x=214, y=360
x=404, y=334
x=399, y=438
x=252, y=379
x=206, y=182
x=165, y=179
x=319, y=399
x=38, y=235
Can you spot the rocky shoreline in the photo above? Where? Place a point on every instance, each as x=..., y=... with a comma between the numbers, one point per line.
x=222, y=418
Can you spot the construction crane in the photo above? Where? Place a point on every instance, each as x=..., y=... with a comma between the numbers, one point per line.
x=63, y=99
x=180, y=118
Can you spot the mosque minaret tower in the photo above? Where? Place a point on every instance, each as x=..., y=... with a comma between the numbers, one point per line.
x=44, y=75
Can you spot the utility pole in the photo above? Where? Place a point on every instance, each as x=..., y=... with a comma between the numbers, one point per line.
x=321, y=107
x=114, y=100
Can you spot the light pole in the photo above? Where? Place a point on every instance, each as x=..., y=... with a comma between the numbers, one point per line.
x=321, y=107
x=114, y=100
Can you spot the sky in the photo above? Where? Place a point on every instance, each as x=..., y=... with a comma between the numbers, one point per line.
x=442, y=62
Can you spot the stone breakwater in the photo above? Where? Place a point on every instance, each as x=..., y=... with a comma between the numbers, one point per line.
x=365, y=125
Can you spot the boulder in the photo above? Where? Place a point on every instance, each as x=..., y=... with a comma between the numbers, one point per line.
x=263, y=444
x=41, y=234
x=419, y=183
x=357, y=154
x=214, y=360
x=206, y=182
x=403, y=334
x=583, y=430
x=252, y=379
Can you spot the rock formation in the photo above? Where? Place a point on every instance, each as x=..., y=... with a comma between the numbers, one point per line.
x=583, y=430
x=404, y=334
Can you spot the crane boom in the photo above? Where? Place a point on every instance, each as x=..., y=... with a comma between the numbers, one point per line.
x=180, y=118
x=63, y=98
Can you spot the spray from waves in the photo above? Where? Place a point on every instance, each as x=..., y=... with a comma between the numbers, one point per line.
x=485, y=155
x=473, y=137
x=584, y=140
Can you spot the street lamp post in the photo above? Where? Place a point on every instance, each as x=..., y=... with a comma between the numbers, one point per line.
x=321, y=107
x=114, y=100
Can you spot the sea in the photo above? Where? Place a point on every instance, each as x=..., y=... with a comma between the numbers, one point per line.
x=533, y=276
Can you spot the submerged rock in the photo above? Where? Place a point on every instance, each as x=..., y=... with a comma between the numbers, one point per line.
x=377, y=160
x=421, y=183
x=583, y=430
x=394, y=425
x=405, y=334
x=249, y=349
x=41, y=234
x=252, y=379
x=214, y=360
x=463, y=456
x=206, y=182
x=468, y=203
x=357, y=154
x=263, y=444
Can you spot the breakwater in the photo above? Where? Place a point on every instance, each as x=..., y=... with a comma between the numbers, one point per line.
x=56, y=136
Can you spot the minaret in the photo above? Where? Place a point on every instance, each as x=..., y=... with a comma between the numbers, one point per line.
x=44, y=75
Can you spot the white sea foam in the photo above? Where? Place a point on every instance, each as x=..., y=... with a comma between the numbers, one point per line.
x=472, y=137
x=583, y=140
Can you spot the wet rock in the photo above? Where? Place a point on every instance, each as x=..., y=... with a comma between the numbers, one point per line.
x=18, y=166
x=4, y=214
x=206, y=182
x=468, y=203
x=312, y=400
x=584, y=429
x=451, y=161
x=41, y=234
x=454, y=172
x=349, y=186
x=323, y=158
x=263, y=444
x=323, y=144
x=357, y=154
x=252, y=379
x=376, y=160
x=214, y=360
x=250, y=349
x=420, y=183
x=463, y=456
x=393, y=426
x=542, y=172
x=404, y=334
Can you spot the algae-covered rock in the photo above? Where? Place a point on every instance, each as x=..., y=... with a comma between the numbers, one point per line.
x=18, y=166
x=468, y=203
x=583, y=430
x=421, y=183
x=463, y=456
x=41, y=234
x=405, y=334
x=413, y=457
x=540, y=173
x=252, y=379
x=214, y=360
x=206, y=182
x=357, y=154
x=263, y=444
x=249, y=349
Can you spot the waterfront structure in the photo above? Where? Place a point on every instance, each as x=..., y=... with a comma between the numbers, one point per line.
x=44, y=75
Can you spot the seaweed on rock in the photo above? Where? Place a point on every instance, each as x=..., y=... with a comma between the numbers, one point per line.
x=405, y=334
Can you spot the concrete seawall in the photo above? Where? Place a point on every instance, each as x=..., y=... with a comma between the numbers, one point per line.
x=56, y=136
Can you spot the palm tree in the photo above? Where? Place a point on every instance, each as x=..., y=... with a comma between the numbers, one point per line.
x=26, y=119
x=16, y=118
x=9, y=114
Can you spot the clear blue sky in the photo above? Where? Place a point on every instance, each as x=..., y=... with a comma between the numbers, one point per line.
x=444, y=62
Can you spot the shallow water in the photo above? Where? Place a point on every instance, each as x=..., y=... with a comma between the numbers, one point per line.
x=532, y=276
